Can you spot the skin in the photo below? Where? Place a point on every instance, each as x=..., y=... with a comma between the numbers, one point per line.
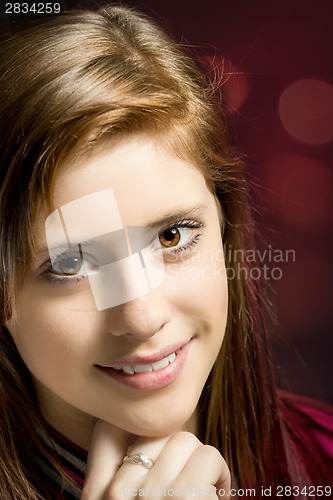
x=61, y=338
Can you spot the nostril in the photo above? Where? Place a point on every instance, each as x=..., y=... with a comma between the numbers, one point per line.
x=141, y=318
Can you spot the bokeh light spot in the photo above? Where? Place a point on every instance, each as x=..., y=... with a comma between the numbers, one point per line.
x=306, y=111
x=231, y=79
x=235, y=87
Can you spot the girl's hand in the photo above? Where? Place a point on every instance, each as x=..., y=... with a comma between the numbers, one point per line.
x=183, y=467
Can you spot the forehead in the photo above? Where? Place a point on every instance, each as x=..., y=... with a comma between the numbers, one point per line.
x=144, y=178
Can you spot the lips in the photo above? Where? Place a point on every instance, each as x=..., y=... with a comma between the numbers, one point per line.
x=149, y=372
x=145, y=360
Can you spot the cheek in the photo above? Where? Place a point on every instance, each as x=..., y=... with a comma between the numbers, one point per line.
x=199, y=282
x=198, y=290
x=51, y=340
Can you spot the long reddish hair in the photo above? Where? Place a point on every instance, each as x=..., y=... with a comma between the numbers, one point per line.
x=66, y=85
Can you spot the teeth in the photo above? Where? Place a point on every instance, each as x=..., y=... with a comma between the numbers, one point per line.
x=158, y=365
x=172, y=357
x=162, y=363
x=142, y=368
x=128, y=369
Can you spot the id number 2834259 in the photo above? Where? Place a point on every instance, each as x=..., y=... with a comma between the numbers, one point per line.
x=32, y=8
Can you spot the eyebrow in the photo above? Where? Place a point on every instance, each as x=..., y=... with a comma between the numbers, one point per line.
x=156, y=224
x=181, y=214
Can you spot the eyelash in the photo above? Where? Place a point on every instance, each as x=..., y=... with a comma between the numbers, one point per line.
x=55, y=278
x=186, y=224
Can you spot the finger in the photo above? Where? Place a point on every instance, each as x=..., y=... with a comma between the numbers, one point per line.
x=207, y=464
x=107, y=449
x=151, y=447
x=172, y=459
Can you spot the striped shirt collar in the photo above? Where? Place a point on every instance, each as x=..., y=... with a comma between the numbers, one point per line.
x=73, y=460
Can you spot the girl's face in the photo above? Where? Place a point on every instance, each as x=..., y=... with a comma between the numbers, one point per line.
x=171, y=333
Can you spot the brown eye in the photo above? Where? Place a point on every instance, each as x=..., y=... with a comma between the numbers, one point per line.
x=69, y=265
x=170, y=238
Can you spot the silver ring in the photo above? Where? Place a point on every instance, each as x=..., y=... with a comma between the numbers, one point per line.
x=140, y=459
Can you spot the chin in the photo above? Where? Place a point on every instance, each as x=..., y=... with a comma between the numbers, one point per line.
x=160, y=423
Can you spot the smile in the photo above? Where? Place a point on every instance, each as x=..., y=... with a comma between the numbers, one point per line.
x=152, y=367
x=149, y=374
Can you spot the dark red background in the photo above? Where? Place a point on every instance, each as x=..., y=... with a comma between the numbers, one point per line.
x=264, y=47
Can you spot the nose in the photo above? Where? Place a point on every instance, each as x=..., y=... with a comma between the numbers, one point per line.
x=140, y=318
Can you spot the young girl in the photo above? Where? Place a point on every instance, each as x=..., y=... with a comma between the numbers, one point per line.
x=127, y=339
